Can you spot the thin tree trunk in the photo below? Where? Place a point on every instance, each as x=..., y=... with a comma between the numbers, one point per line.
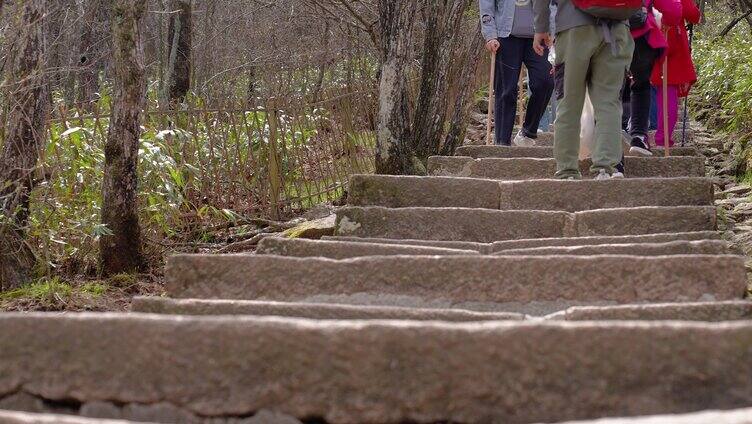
x=393, y=152
x=25, y=135
x=471, y=54
x=120, y=251
x=445, y=19
x=89, y=60
x=179, y=36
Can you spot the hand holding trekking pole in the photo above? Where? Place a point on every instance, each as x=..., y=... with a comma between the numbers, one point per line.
x=491, y=96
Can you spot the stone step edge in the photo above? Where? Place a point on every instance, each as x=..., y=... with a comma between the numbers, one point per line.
x=342, y=249
x=632, y=312
x=678, y=247
x=318, y=311
x=411, y=361
x=736, y=416
x=491, y=248
x=14, y=417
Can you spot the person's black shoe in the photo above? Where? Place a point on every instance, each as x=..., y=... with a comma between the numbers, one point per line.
x=639, y=146
x=620, y=166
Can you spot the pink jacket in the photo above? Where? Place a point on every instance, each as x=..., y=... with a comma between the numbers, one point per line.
x=672, y=15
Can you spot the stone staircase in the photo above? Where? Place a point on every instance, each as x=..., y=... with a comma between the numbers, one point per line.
x=485, y=293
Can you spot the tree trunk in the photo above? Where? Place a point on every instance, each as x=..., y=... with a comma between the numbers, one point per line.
x=179, y=41
x=468, y=64
x=25, y=135
x=393, y=152
x=445, y=18
x=120, y=251
x=90, y=52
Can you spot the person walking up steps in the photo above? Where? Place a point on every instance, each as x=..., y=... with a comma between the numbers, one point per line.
x=650, y=43
x=507, y=26
x=681, y=69
x=591, y=54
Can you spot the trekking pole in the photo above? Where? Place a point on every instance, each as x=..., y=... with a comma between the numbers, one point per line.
x=666, y=136
x=685, y=114
x=491, y=98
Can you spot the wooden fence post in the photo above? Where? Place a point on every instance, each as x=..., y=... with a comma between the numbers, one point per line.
x=275, y=177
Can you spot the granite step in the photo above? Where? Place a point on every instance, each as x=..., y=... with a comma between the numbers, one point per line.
x=546, y=138
x=11, y=417
x=542, y=152
x=597, y=240
x=529, y=169
x=380, y=371
x=704, y=247
x=738, y=416
x=702, y=311
x=488, y=226
x=484, y=248
x=347, y=249
x=319, y=311
x=534, y=285
x=553, y=195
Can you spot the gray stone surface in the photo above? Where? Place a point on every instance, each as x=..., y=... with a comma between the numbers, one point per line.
x=10, y=417
x=584, y=195
x=528, y=284
x=452, y=224
x=592, y=241
x=541, y=152
x=457, y=245
x=705, y=247
x=645, y=220
x=386, y=372
x=704, y=311
x=488, y=226
x=322, y=311
x=553, y=195
x=738, y=416
x=346, y=249
x=407, y=191
x=530, y=168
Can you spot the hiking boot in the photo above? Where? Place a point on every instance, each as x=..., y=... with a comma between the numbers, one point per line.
x=521, y=140
x=639, y=146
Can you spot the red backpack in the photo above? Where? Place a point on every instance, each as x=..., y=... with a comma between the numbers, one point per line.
x=617, y=10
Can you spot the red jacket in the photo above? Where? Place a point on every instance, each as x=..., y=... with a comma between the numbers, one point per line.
x=681, y=69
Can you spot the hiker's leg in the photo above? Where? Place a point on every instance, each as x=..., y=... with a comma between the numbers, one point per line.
x=509, y=66
x=653, y=108
x=498, y=88
x=626, y=103
x=541, y=85
x=574, y=49
x=673, y=114
x=642, y=66
x=606, y=80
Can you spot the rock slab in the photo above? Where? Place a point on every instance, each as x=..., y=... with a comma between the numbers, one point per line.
x=354, y=371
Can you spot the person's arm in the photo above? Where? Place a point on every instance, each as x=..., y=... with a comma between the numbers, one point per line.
x=691, y=12
x=488, y=19
x=542, y=25
x=671, y=11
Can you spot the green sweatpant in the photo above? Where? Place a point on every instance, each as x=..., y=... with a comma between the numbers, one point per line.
x=585, y=60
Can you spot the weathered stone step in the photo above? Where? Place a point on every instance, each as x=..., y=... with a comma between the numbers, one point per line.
x=534, y=285
x=542, y=152
x=489, y=248
x=484, y=248
x=702, y=311
x=347, y=249
x=488, y=226
x=385, y=372
x=528, y=169
x=10, y=417
x=705, y=247
x=321, y=311
x=597, y=240
x=546, y=138
x=738, y=416
x=554, y=195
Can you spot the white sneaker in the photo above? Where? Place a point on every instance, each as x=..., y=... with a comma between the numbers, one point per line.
x=523, y=141
x=602, y=175
x=617, y=176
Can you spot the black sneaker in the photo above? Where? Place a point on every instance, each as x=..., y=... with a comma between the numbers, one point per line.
x=639, y=146
x=620, y=166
